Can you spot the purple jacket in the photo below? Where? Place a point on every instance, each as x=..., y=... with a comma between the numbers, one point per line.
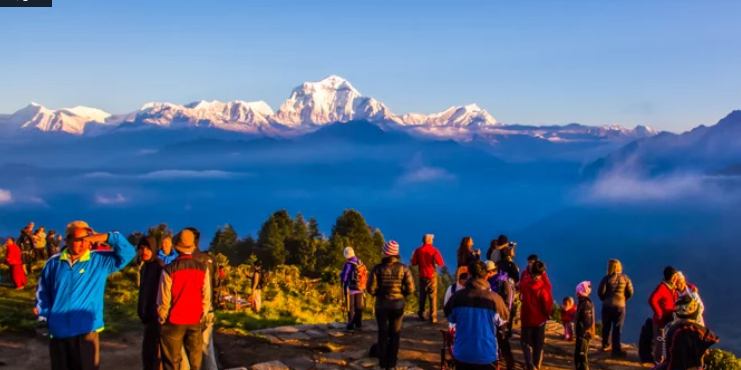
x=345, y=275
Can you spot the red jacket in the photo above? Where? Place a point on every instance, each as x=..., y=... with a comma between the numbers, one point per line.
x=662, y=303
x=185, y=292
x=543, y=277
x=13, y=256
x=537, y=301
x=427, y=258
x=568, y=315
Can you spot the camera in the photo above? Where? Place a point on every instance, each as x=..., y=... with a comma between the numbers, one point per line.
x=512, y=245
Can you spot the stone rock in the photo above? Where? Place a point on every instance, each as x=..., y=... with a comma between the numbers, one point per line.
x=335, y=334
x=316, y=333
x=300, y=363
x=366, y=362
x=271, y=365
x=327, y=367
x=272, y=339
x=405, y=365
x=297, y=336
x=347, y=356
x=337, y=325
x=286, y=329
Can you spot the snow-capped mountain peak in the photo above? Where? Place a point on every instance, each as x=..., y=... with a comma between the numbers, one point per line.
x=458, y=117
x=93, y=114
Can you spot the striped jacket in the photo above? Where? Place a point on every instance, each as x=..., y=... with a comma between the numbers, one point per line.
x=477, y=313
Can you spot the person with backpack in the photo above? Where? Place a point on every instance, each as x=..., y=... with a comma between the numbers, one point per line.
x=584, y=325
x=614, y=291
x=537, y=307
x=502, y=284
x=354, y=277
x=687, y=342
x=507, y=264
x=459, y=285
x=428, y=258
x=390, y=282
x=662, y=304
x=478, y=314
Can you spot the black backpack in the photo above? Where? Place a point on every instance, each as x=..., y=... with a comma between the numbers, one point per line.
x=645, y=342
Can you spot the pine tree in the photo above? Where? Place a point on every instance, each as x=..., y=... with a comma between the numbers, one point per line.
x=216, y=244
x=271, y=243
x=351, y=226
x=243, y=249
x=314, y=232
x=225, y=242
x=295, y=245
x=378, y=240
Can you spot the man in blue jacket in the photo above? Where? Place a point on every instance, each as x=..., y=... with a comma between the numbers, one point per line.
x=70, y=295
x=477, y=313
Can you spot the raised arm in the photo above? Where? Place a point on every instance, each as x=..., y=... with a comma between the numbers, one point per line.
x=122, y=252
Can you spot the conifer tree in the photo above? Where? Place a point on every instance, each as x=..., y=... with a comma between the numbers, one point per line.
x=378, y=239
x=355, y=232
x=295, y=245
x=271, y=243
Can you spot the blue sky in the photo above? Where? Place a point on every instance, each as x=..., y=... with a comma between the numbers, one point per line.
x=668, y=64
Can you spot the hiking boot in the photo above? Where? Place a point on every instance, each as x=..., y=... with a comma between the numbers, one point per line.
x=421, y=316
x=620, y=354
x=350, y=327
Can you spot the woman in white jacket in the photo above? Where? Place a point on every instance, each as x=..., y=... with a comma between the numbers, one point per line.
x=683, y=289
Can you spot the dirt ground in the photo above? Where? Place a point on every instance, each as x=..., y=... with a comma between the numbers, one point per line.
x=420, y=347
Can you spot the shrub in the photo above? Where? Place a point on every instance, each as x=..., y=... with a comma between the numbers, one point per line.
x=722, y=360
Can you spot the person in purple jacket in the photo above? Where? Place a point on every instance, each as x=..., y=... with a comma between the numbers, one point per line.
x=352, y=288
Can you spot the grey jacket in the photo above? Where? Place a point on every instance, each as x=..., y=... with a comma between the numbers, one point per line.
x=615, y=289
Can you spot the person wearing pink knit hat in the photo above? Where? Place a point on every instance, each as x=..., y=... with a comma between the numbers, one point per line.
x=390, y=281
x=584, y=325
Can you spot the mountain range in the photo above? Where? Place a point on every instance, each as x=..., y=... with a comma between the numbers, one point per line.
x=308, y=108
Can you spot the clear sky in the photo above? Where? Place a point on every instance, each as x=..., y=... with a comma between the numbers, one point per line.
x=668, y=64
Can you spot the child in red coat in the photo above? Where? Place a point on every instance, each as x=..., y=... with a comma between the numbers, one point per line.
x=568, y=311
x=14, y=260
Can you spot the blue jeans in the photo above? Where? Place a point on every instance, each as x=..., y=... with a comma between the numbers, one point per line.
x=613, y=319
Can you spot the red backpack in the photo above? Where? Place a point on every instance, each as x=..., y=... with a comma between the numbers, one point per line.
x=359, y=276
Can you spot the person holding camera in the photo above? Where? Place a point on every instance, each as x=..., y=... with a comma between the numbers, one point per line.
x=494, y=253
x=466, y=254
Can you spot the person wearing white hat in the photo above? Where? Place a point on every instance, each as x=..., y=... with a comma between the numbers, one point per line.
x=354, y=276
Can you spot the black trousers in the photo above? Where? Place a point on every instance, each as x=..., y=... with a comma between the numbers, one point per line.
x=355, y=315
x=581, y=351
x=465, y=366
x=389, y=335
x=173, y=338
x=76, y=353
x=151, y=345
x=532, y=340
x=613, y=319
x=428, y=291
x=505, y=348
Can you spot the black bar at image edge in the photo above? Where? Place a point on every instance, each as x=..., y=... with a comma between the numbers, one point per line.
x=26, y=3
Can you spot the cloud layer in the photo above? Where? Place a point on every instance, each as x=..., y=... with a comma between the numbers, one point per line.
x=109, y=200
x=5, y=196
x=426, y=174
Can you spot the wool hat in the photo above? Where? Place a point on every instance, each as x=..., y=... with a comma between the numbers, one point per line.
x=687, y=307
x=185, y=242
x=491, y=266
x=348, y=253
x=74, y=225
x=669, y=272
x=584, y=288
x=391, y=248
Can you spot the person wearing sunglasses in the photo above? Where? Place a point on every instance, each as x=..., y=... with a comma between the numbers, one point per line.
x=70, y=294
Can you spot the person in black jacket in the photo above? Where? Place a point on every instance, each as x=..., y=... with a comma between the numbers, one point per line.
x=147, y=307
x=614, y=291
x=584, y=325
x=27, y=244
x=507, y=264
x=686, y=342
x=389, y=282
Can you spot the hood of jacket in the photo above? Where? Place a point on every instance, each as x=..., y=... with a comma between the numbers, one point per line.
x=480, y=284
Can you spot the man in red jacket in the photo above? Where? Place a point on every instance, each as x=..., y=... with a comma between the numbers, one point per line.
x=537, y=306
x=184, y=299
x=428, y=258
x=662, y=303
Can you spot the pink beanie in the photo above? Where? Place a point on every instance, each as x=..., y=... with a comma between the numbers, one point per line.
x=391, y=248
x=584, y=288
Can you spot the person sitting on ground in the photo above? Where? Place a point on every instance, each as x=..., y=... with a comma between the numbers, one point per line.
x=687, y=342
x=662, y=303
x=70, y=294
x=507, y=264
x=166, y=254
x=390, y=282
x=352, y=289
x=428, y=258
x=150, y=273
x=685, y=288
x=14, y=259
x=585, y=328
x=496, y=246
x=39, y=245
x=614, y=291
x=568, y=312
x=183, y=302
x=459, y=285
x=537, y=307
x=477, y=313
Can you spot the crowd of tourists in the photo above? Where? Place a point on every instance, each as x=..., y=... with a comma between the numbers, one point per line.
x=177, y=294
x=481, y=307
